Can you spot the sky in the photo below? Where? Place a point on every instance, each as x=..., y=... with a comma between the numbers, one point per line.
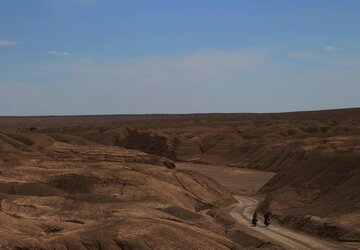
x=76, y=57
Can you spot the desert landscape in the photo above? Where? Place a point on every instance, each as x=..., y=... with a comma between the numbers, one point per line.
x=180, y=181
x=185, y=125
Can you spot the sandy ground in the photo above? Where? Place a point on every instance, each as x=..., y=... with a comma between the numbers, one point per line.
x=238, y=180
x=85, y=162
x=286, y=238
x=244, y=183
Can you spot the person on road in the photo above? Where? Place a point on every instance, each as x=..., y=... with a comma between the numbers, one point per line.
x=267, y=219
x=254, y=220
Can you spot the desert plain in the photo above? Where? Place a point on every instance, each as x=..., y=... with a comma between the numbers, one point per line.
x=180, y=181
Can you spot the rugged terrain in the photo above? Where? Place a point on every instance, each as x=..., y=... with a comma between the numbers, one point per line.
x=82, y=195
x=77, y=175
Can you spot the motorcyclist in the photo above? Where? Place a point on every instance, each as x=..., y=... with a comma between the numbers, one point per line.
x=254, y=219
x=267, y=219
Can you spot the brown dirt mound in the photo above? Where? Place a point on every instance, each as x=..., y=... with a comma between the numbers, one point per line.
x=149, y=142
x=73, y=183
x=29, y=189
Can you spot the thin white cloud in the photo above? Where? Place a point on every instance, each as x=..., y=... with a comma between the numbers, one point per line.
x=181, y=83
x=203, y=66
x=245, y=80
x=58, y=53
x=331, y=48
x=7, y=42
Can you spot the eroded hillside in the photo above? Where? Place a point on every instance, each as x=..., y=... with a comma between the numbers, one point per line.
x=65, y=192
x=316, y=156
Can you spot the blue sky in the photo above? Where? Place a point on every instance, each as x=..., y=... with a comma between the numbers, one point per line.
x=166, y=56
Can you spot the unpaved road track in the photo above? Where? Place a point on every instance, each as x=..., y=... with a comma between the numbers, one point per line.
x=244, y=182
x=284, y=237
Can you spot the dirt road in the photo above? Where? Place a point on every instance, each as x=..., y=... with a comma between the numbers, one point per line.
x=243, y=183
x=284, y=237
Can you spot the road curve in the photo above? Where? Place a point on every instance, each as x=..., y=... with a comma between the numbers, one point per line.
x=284, y=237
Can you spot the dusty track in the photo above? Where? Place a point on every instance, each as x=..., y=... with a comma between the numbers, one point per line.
x=284, y=237
x=244, y=183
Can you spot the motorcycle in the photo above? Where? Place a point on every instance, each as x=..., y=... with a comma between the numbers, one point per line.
x=254, y=221
x=267, y=221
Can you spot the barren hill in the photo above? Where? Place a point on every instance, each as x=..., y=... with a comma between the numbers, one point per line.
x=116, y=173
x=83, y=195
